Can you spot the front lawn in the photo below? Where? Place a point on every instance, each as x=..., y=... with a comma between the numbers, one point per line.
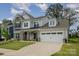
x=69, y=49
x=15, y=45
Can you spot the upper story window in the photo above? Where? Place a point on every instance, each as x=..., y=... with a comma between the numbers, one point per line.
x=26, y=24
x=18, y=24
x=52, y=23
x=36, y=24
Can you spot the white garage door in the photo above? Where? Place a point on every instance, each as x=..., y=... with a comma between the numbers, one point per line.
x=51, y=36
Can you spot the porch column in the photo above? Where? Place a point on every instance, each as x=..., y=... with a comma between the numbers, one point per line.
x=29, y=36
x=15, y=36
x=38, y=36
x=21, y=35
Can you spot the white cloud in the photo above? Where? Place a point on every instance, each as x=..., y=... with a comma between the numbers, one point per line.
x=42, y=6
x=0, y=22
x=22, y=6
x=19, y=7
x=15, y=11
x=77, y=10
x=10, y=18
x=73, y=5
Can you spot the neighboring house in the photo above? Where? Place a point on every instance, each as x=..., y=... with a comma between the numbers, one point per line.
x=10, y=29
x=43, y=29
x=73, y=33
x=0, y=30
x=1, y=37
x=78, y=30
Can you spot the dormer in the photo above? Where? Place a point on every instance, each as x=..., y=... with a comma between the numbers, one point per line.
x=52, y=22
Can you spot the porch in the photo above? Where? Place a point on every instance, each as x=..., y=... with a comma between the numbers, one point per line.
x=29, y=35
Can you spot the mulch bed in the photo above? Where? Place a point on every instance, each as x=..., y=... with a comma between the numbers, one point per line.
x=1, y=53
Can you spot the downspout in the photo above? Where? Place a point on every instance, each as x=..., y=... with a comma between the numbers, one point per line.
x=68, y=29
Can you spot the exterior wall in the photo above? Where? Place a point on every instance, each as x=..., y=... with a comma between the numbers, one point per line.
x=66, y=34
x=20, y=36
x=41, y=22
x=30, y=34
x=15, y=32
x=44, y=21
x=26, y=16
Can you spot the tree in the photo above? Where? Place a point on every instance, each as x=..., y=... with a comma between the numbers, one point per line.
x=69, y=14
x=4, y=29
x=57, y=11
x=5, y=33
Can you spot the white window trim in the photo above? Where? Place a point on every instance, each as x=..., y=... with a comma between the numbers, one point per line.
x=26, y=26
x=52, y=25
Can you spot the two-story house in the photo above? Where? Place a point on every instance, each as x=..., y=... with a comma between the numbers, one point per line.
x=43, y=29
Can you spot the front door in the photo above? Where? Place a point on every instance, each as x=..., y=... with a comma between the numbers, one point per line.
x=25, y=36
x=35, y=36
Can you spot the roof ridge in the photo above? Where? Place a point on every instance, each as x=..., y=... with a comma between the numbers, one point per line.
x=28, y=14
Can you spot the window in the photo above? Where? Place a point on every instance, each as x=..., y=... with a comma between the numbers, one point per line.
x=17, y=35
x=36, y=24
x=48, y=33
x=25, y=24
x=53, y=33
x=45, y=33
x=59, y=33
x=52, y=22
x=18, y=24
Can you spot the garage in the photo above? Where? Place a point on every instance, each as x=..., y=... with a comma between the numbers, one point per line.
x=51, y=36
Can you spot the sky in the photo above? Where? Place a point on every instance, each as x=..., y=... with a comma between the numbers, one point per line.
x=9, y=10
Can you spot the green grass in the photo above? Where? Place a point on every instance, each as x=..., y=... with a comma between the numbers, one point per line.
x=74, y=40
x=15, y=45
x=69, y=49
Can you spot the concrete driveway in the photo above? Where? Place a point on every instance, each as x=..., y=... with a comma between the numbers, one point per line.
x=37, y=49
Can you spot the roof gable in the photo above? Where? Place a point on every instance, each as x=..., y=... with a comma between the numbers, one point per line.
x=18, y=17
x=26, y=15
